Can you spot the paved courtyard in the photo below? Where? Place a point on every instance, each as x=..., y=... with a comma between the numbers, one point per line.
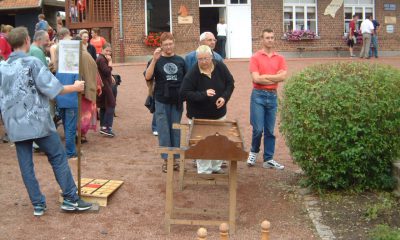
x=136, y=210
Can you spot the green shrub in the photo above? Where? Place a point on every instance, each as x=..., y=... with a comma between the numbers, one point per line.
x=342, y=124
x=384, y=232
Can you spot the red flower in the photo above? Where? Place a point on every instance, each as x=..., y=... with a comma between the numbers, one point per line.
x=152, y=39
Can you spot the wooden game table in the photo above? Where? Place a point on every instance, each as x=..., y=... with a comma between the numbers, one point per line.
x=210, y=140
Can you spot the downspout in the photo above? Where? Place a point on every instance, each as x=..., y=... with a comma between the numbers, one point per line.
x=121, y=34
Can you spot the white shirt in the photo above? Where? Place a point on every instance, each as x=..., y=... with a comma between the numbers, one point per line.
x=222, y=29
x=367, y=26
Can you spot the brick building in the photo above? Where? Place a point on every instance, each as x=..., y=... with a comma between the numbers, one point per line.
x=245, y=20
x=25, y=12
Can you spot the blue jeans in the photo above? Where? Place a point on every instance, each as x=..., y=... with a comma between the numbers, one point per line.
x=263, y=106
x=52, y=146
x=154, y=124
x=166, y=116
x=374, y=42
x=69, y=117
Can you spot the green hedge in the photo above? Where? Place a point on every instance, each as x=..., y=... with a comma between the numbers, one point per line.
x=341, y=122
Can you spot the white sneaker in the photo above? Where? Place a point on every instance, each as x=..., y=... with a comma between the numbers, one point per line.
x=273, y=164
x=251, y=160
x=155, y=133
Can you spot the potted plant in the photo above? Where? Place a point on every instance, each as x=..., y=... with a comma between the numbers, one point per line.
x=152, y=39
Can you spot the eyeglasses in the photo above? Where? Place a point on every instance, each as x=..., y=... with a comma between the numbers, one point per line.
x=167, y=45
x=211, y=40
x=204, y=59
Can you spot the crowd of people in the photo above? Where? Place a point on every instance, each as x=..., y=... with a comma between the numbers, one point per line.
x=204, y=82
x=36, y=98
x=368, y=31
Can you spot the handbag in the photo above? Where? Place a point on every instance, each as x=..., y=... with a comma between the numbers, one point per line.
x=150, y=103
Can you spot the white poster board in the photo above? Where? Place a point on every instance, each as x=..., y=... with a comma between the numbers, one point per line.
x=68, y=56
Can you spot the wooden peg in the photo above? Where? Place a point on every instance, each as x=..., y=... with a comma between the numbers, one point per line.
x=224, y=231
x=265, y=226
x=202, y=234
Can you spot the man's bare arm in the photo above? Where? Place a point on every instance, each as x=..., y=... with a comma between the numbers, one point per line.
x=267, y=79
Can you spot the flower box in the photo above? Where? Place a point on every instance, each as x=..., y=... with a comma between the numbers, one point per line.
x=299, y=35
x=152, y=39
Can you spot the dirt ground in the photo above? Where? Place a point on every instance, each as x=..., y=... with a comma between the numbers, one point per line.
x=136, y=210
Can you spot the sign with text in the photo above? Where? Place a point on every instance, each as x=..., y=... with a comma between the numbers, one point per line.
x=390, y=28
x=185, y=20
x=389, y=7
x=390, y=20
x=68, y=56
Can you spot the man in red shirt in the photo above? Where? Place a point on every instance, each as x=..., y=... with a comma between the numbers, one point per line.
x=352, y=34
x=267, y=69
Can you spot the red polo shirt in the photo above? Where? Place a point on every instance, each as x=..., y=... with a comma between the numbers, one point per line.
x=263, y=64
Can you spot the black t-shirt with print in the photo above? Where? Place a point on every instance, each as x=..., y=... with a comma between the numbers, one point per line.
x=168, y=75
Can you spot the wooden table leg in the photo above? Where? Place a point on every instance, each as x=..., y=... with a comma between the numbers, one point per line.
x=169, y=191
x=232, y=196
x=181, y=171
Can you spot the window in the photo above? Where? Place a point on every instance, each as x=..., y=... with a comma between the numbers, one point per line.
x=238, y=1
x=211, y=2
x=362, y=8
x=158, y=16
x=300, y=15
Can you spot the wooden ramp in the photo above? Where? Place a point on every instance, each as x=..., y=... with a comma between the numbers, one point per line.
x=98, y=190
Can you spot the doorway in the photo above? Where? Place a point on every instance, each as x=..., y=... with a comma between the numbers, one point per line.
x=209, y=17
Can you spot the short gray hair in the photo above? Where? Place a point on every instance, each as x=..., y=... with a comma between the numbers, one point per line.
x=203, y=36
x=39, y=35
x=204, y=49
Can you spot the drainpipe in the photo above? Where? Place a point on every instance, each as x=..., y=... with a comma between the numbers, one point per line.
x=121, y=34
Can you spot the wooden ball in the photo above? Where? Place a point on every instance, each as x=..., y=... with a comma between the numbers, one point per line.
x=202, y=233
x=224, y=228
x=265, y=225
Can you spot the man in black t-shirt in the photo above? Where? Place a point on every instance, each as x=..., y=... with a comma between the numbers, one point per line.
x=167, y=70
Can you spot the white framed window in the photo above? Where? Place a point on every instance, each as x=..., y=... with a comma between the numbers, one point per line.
x=239, y=2
x=212, y=3
x=158, y=16
x=362, y=8
x=300, y=15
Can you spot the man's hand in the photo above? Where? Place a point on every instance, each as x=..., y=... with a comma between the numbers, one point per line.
x=157, y=54
x=79, y=86
x=112, y=80
x=220, y=102
x=210, y=92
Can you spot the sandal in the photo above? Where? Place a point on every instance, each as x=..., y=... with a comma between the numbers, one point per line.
x=83, y=139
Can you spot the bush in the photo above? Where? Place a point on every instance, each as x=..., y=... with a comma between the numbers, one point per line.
x=342, y=123
x=384, y=232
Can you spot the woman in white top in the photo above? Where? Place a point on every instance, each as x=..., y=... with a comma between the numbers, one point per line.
x=222, y=30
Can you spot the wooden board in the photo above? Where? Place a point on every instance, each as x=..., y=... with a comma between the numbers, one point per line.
x=98, y=190
x=204, y=128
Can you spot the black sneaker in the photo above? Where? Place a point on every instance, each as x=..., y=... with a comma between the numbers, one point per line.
x=107, y=131
x=79, y=205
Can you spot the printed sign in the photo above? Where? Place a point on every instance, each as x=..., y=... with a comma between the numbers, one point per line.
x=390, y=20
x=185, y=20
x=389, y=7
x=390, y=28
x=68, y=57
